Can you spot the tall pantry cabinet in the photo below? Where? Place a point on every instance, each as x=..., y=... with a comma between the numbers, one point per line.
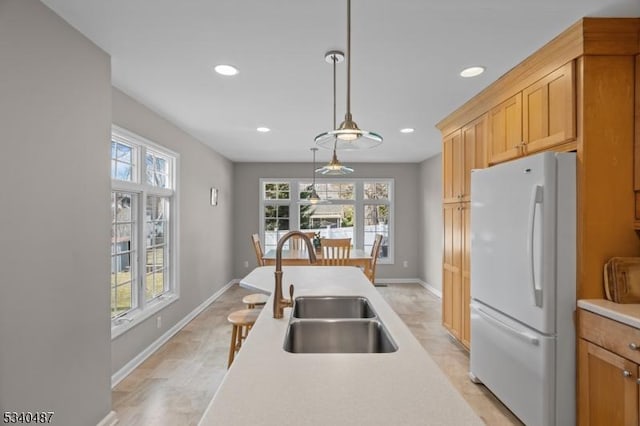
x=576, y=93
x=463, y=150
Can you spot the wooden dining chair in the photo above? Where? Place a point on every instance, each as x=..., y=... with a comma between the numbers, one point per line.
x=297, y=243
x=255, y=240
x=370, y=272
x=255, y=300
x=335, y=251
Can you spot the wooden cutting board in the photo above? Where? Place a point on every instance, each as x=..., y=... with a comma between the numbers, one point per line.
x=622, y=279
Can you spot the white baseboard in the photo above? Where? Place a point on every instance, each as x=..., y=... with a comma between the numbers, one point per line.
x=142, y=356
x=397, y=280
x=436, y=292
x=109, y=420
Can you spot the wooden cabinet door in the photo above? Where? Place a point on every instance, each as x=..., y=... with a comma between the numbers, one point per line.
x=473, y=140
x=451, y=271
x=607, y=388
x=452, y=177
x=465, y=334
x=549, y=110
x=505, y=130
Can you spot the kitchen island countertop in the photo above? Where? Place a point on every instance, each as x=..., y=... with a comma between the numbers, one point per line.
x=268, y=386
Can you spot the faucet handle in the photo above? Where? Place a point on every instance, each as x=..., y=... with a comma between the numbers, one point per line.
x=291, y=293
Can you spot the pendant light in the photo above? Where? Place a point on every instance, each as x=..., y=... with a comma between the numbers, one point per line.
x=334, y=167
x=314, y=198
x=348, y=135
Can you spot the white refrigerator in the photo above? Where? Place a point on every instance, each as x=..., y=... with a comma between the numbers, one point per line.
x=523, y=285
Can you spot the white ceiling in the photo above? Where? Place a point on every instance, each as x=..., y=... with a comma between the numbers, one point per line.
x=406, y=56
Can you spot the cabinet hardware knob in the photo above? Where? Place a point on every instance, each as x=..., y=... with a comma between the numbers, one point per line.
x=638, y=381
x=633, y=347
x=626, y=373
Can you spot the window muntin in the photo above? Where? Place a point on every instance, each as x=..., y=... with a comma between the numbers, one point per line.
x=143, y=227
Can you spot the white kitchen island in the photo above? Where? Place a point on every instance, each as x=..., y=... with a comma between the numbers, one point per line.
x=268, y=386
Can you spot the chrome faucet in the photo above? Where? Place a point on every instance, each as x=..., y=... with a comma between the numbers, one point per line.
x=279, y=303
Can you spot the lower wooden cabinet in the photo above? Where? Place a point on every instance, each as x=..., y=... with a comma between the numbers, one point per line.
x=608, y=371
x=456, y=277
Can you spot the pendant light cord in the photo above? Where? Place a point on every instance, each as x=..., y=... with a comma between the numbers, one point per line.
x=335, y=124
x=349, y=58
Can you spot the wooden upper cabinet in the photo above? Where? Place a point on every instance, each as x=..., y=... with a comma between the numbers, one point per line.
x=474, y=136
x=549, y=110
x=505, y=130
x=452, y=178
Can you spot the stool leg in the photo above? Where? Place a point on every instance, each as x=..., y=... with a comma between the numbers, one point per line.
x=232, y=347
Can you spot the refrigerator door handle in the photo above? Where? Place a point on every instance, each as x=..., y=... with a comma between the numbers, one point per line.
x=524, y=336
x=536, y=198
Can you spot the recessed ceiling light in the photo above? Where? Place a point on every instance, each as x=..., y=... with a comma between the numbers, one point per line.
x=226, y=70
x=407, y=130
x=263, y=129
x=471, y=72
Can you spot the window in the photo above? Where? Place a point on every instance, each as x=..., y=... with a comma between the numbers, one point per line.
x=358, y=209
x=143, y=228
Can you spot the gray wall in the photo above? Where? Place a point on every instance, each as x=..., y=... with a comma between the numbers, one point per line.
x=431, y=228
x=206, y=232
x=55, y=118
x=247, y=220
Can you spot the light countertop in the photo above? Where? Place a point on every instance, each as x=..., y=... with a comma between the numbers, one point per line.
x=626, y=313
x=269, y=386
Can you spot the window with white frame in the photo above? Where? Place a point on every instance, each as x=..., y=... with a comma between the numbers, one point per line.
x=356, y=208
x=143, y=225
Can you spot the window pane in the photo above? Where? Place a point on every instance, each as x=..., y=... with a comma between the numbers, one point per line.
x=123, y=206
x=332, y=221
x=376, y=191
x=283, y=211
x=376, y=221
x=123, y=171
x=123, y=299
x=124, y=153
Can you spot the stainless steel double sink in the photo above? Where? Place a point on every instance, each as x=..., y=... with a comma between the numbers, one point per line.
x=336, y=324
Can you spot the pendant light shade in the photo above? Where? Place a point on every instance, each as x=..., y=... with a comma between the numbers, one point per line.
x=334, y=167
x=348, y=136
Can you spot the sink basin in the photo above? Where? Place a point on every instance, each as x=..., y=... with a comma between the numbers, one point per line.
x=332, y=307
x=338, y=336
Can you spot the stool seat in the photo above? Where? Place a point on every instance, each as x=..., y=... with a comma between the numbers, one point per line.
x=243, y=317
x=255, y=299
x=242, y=321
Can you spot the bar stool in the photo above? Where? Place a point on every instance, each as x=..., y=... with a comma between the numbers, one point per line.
x=242, y=322
x=255, y=299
